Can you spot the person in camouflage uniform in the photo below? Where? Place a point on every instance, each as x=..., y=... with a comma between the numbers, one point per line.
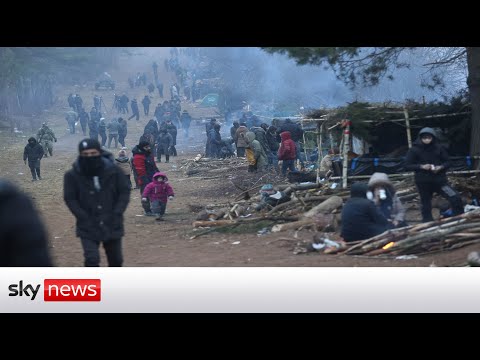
x=46, y=137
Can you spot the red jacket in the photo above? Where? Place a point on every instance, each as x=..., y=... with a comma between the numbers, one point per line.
x=286, y=151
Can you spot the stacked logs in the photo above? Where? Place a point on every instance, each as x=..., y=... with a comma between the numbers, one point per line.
x=441, y=235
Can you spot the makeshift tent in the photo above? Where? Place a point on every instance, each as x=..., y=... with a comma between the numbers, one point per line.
x=210, y=100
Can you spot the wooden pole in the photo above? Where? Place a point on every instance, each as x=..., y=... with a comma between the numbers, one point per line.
x=402, y=175
x=407, y=123
x=346, y=149
x=330, y=136
x=319, y=145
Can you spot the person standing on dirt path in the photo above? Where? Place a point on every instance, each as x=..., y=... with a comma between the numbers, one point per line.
x=33, y=152
x=144, y=168
x=185, y=121
x=102, y=130
x=71, y=117
x=23, y=238
x=46, y=137
x=146, y=104
x=97, y=193
x=430, y=162
x=122, y=131
x=113, y=127
x=155, y=69
x=124, y=163
x=83, y=118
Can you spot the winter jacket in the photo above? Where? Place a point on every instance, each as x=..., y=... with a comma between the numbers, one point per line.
x=361, y=219
x=23, y=237
x=143, y=165
x=392, y=208
x=261, y=159
x=164, y=141
x=113, y=127
x=272, y=142
x=240, y=137
x=33, y=152
x=99, y=213
x=433, y=153
x=158, y=190
x=185, y=120
x=286, y=151
x=123, y=163
x=261, y=137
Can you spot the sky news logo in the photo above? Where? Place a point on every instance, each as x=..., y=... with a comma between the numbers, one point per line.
x=60, y=290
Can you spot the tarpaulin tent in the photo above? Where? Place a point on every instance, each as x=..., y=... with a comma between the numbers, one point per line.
x=210, y=100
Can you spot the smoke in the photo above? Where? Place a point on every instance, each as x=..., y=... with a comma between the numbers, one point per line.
x=259, y=77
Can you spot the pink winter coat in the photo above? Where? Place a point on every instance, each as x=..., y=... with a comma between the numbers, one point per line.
x=158, y=190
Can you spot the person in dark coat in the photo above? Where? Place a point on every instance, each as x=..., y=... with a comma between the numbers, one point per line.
x=164, y=143
x=143, y=167
x=135, y=111
x=146, y=105
x=185, y=121
x=151, y=128
x=361, y=219
x=122, y=131
x=23, y=237
x=97, y=193
x=33, y=152
x=430, y=162
x=83, y=117
x=151, y=88
x=93, y=125
x=215, y=141
x=172, y=130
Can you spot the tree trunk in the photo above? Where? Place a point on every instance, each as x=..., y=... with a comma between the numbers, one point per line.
x=473, y=81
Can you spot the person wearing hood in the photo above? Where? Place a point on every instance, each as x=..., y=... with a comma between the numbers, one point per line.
x=97, y=193
x=287, y=152
x=158, y=192
x=429, y=160
x=383, y=194
x=144, y=168
x=256, y=157
x=33, y=152
x=361, y=219
x=239, y=138
x=124, y=163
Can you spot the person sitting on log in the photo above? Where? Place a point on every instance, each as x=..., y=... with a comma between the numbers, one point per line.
x=361, y=219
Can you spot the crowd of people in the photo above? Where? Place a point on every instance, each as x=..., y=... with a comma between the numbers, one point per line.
x=98, y=186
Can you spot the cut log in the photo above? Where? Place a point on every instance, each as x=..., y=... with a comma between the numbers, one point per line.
x=320, y=221
x=332, y=203
x=212, y=223
x=292, y=225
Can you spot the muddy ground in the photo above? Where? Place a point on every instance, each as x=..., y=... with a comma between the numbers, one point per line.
x=149, y=243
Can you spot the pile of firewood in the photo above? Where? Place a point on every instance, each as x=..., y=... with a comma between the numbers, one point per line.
x=211, y=167
x=445, y=234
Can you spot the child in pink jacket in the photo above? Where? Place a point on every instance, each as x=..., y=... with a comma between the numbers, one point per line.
x=158, y=192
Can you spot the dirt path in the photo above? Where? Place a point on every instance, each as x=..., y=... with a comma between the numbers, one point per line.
x=150, y=243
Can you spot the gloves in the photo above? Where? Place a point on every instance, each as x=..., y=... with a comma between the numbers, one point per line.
x=170, y=198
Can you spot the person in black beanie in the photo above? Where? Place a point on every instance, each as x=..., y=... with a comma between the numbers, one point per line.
x=97, y=193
